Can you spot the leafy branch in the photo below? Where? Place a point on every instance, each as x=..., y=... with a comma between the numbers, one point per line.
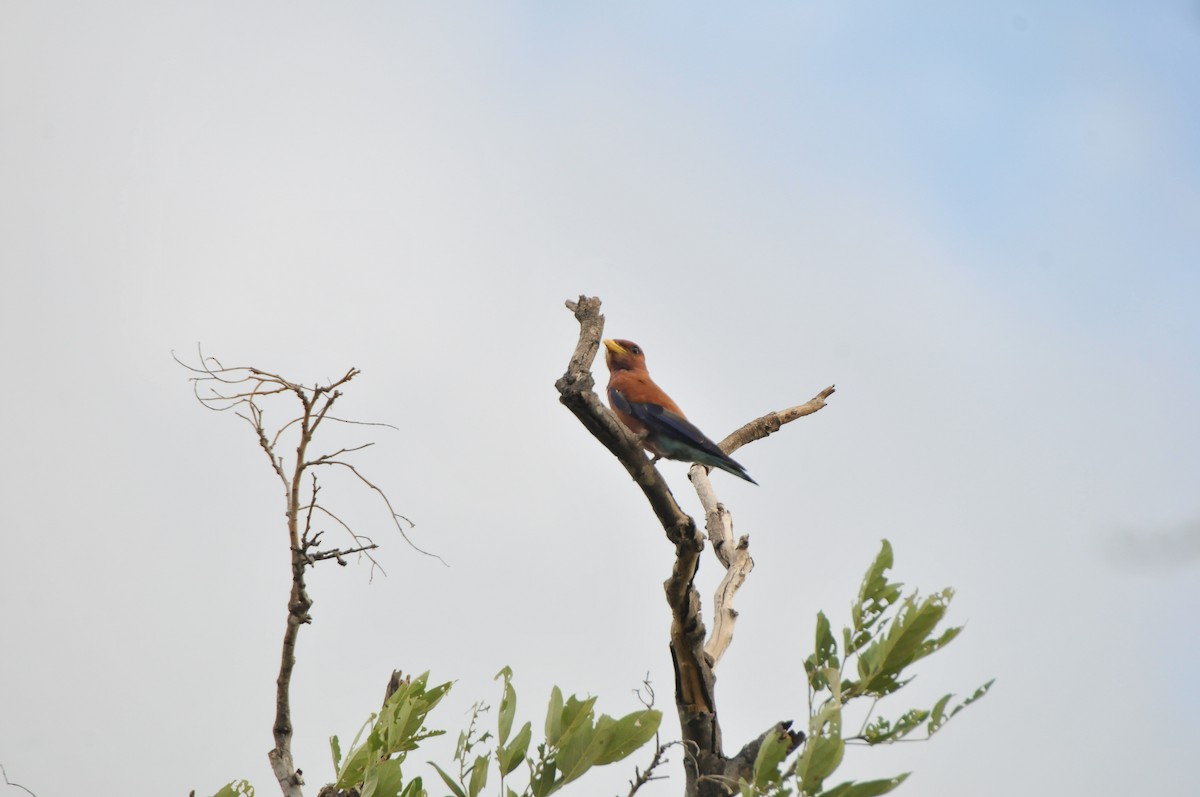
x=575, y=741
x=888, y=633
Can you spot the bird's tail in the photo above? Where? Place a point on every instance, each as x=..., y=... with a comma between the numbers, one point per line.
x=728, y=465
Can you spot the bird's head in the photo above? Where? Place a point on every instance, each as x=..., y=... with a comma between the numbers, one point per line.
x=624, y=355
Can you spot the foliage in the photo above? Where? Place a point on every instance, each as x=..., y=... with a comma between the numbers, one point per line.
x=395, y=731
x=888, y=633
x=575, y=741
x=236, y=788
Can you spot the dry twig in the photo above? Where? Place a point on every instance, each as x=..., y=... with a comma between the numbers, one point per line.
x=10, y=783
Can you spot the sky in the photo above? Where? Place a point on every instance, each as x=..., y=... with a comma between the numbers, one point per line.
x=980, y=221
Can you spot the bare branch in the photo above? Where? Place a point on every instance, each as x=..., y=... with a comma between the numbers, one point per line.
x=735, y=557
x=741, y=766
x=10, y=783
x=645, y=695
x=337, y=553
x=358, y=538
x=268, y=448
x=312, y=504
x=363, y=423
x=643, y=776
x=396, y=516
x=330, y=398
x=772, y=421
x=284, y=428
x=326, y=457
x=396, y=680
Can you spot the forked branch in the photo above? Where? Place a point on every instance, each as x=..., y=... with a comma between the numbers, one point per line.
x=694, y=655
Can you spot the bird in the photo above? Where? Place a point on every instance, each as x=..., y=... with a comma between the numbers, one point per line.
x=650, y=413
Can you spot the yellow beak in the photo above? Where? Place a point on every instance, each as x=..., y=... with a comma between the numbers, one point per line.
x=614, y=347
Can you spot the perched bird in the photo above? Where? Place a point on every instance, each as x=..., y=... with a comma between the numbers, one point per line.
x=652, y=416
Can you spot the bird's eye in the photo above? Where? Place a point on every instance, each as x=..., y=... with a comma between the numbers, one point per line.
x=634, y=350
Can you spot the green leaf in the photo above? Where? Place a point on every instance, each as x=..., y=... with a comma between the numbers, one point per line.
x=585, y=746
x=508, y=707
x=825, y=655
x=882, y=731
x=935, y=726
x=511, y=757
x=826, y=644
x=383, y=780
x=554, y=716
x=479, y=772
x=937, y=715
x=541, y=779
x=414, y=789
x=874, y=582
x=450, y=784
x=909, y=638
x=978, y=693
x=628, y=734
x=354, y=766
x=771, y=753
x=576, y=714
x=396, y=730
x=578, y=749
x=336, y=748
x=822, y=755
x=236, y=788
x=876, y=593
x=871, y=788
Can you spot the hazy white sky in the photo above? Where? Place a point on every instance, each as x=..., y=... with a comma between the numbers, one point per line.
x=982, y=223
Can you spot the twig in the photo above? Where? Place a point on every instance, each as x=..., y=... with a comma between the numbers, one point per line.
x=337, y=553
x=364, y=423
x=18, y=785
x=396, y=516
x=770, y=423
x=642, y=777
x=357, y=538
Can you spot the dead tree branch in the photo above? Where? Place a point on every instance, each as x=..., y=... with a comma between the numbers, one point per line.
x=245, y=391
x=10, y=783
x=718, y=522
x=770, y=423
x=643, y=776
x=708, y=771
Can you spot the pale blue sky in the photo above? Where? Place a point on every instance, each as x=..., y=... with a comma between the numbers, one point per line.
x=980, y=221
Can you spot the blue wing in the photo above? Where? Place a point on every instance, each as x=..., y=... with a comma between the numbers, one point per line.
x=675, y=436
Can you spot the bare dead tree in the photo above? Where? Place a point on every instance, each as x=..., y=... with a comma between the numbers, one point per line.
x=694, y=654
x=245, y=391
